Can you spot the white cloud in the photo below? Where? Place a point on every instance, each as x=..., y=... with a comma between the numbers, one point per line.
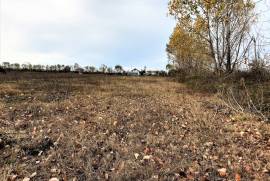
x=262, y=27
x=132, y=33
x=36, y=12
x=86, y=31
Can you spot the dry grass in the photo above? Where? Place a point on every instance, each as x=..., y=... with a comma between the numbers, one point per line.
x=87, y=127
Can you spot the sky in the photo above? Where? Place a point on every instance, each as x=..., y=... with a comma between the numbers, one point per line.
x=262, y=27
x=93, y=32
x=88, y=32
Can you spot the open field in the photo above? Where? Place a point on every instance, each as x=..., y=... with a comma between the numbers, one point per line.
x=94, y=127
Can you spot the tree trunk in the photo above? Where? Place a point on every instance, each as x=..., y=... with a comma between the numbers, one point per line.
x=228, y=42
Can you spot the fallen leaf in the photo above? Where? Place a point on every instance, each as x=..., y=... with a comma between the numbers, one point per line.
x=242, y=133
x=13, y=177
x=185, y=146
x=54, y=179
x=146, y=150
x=158, y=161
x=247, y=168
x=136, y=155
x=121, y=167
x=147, y=157
x=33, y=174
x=222, y=172
x=53, y=170
x=208, y=144
x=237, y=177
x=106, y=176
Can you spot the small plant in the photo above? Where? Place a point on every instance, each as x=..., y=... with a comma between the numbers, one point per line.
x=259, y=71
x=241, y=99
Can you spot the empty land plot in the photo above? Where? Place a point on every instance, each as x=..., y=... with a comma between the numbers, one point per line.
x=96, y=127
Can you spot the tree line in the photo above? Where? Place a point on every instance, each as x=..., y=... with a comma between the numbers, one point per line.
x=103, y=69
x=59, y=68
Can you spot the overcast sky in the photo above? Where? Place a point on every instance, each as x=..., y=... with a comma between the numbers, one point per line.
x=89, y=32
x=262, y=27
x=132, y=33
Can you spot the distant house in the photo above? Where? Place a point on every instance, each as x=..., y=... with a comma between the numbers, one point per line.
x=133, y=72
x=155, y=73
x=79, y=70
x=152, y=72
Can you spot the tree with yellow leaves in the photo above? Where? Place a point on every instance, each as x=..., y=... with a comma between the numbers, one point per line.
x=221, y=25
x=187, y=51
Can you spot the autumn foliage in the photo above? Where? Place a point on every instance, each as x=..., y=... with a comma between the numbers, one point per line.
x=213, y=30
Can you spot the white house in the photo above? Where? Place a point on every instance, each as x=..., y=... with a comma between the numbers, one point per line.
x=133, y=72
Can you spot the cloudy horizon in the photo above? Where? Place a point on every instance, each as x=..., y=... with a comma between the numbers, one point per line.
x=88, y=32
x=132, y=34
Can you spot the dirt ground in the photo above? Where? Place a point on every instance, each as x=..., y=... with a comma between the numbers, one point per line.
x=94, y=127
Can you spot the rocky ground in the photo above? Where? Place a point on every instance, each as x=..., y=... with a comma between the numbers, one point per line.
x=87, y=127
